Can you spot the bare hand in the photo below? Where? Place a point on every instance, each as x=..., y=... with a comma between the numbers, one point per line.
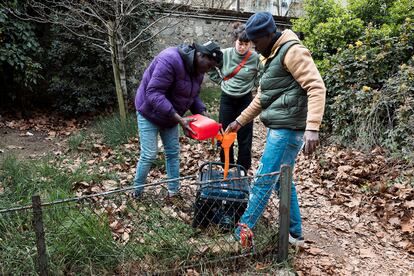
x=206, y=114
x=185, y=124
x=233, y=127
x=311, y=139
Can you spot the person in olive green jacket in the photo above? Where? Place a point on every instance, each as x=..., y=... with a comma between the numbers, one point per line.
x=291, y=102
x=238, y=77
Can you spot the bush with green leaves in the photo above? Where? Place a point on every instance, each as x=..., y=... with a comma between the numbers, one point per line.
x=20, y=68
x=359, y=49
x=391, y=114
x=326, y=32
x=360, y=76
x=79, y=76
x=375, y=12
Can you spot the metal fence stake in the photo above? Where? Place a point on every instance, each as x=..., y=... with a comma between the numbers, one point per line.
x=40, y=235
x=284, y=212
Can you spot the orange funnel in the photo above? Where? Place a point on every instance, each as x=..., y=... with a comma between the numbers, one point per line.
x=226, y=140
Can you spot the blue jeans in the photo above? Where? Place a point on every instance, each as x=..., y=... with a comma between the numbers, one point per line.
x=282, y=147
x=148, y=137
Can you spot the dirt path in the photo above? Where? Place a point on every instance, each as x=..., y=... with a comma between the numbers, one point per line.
x=25, y=144
x=344, y=242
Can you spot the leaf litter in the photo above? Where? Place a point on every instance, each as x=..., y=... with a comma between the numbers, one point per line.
x=357, y=207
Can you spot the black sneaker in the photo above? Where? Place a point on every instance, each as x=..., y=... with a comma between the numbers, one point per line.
x=296, y=241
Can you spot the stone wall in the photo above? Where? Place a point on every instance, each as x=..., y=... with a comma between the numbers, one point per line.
x=195, y=26
x=191, y=30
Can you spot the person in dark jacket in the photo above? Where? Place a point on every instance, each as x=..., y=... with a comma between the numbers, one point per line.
x=170, y=87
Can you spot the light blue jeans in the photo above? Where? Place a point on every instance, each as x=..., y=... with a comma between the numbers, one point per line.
x=282, y=147
x=148, y=138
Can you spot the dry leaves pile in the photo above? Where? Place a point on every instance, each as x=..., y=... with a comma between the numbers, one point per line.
x=51, y=125
x=358, y=214
x=368, y=182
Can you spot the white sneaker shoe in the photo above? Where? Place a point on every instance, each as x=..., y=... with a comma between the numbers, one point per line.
x=298, y=242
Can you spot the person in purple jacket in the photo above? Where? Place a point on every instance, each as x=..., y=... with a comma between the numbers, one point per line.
x=170, y=87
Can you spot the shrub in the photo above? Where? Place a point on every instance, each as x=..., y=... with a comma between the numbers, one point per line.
x=389, y=119
x=79, y=76
x=327, y=37
x=357, y=83
x=373, y=12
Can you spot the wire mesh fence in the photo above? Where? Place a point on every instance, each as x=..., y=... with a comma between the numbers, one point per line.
x=113, y=232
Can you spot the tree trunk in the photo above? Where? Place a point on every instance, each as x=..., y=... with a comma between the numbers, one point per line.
x=117, y=77
x=122, y=72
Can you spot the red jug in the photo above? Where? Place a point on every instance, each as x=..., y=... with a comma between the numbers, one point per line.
x=204, y=127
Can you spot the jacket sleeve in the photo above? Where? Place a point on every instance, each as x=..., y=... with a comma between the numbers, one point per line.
x=215, y=75
x=298, y=61
x=198, y=106
x=250, y=112
x=162, y=78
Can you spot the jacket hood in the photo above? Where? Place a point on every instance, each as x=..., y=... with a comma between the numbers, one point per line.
x=287, y=35
x=187, y=53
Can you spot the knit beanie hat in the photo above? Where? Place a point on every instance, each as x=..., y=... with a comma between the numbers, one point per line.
x=260, y=24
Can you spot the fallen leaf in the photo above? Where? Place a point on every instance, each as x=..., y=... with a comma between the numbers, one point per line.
x=409, y=204
x=110, y=184
x=14, y=147
x=366, y=253
x=314, y=251
x=90, y=162
x=125, y=237
x=52, y=134
x=394, y=221
x=408, y=226
x=261, y=266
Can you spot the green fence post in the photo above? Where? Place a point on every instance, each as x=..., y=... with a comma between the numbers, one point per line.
x=284, y=212
x=40, y=235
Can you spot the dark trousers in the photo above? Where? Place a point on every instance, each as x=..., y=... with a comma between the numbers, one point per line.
x=230, y=108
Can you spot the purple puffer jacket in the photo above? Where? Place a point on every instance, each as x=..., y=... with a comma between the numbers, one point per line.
x=170, y=85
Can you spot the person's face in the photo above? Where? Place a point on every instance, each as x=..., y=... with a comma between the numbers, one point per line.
x=262, y=43
x=204, y=63
x=242, y=47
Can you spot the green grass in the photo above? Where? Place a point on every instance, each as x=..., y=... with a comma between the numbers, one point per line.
x=76, y=140
x=211, y=98
x=80, y=241
x=115, y=133
x=46, y=177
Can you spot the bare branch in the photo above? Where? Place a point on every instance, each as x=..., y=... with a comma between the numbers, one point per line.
x=129, y=51
x=135, y=39
x=102, y=48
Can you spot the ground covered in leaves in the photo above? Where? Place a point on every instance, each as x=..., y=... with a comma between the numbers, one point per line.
x=357, y=208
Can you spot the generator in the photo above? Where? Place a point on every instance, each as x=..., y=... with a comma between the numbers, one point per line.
x=220, y=202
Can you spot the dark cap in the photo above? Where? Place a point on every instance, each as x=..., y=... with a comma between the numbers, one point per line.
x=260, y=24
x=210, y=49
